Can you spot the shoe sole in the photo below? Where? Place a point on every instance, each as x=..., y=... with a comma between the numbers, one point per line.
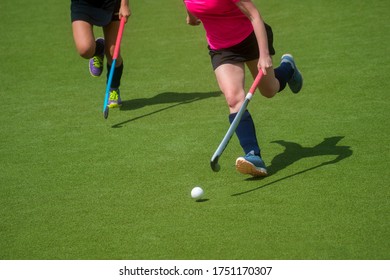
x=94, y=76
x=245, y=167
x=114, y=105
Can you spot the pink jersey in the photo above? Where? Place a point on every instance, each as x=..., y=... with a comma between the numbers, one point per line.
x=223, y=21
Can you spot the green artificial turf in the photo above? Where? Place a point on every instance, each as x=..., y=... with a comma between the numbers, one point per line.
x=76, y=186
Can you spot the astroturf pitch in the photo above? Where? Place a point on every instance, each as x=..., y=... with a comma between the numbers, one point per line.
x=76, y=186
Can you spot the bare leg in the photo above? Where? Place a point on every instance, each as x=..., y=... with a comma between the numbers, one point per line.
x=231, y=80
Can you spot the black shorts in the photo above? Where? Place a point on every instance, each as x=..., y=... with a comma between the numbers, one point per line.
x=247, y=50
x=95, y=12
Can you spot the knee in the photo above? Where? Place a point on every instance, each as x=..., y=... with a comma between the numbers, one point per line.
x=234, y=101
x=268, y=91
x=86, y=51
x=233, y=106
x=110, y=51
x=268, y=94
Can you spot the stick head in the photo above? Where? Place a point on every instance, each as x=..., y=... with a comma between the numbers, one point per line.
x=215, y=165
x=105, y=113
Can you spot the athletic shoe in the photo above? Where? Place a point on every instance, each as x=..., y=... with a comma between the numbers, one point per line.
x=114, y=100
x=96, y=62
x=251, y=164
x=296, y=81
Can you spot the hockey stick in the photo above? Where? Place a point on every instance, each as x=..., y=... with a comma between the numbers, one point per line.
x=114, y=57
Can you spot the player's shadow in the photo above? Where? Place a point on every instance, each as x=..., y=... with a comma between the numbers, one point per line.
x=294, y=152
x=173, y=98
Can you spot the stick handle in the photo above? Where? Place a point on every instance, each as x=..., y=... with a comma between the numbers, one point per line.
x=256, y=82
x=119, y=38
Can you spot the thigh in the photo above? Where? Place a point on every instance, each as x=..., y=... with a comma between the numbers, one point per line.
x=231, y=81
x=83, y=37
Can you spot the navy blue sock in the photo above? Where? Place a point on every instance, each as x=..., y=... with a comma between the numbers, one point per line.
x=116, y=78
x=246, y=133
x=284, y=73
